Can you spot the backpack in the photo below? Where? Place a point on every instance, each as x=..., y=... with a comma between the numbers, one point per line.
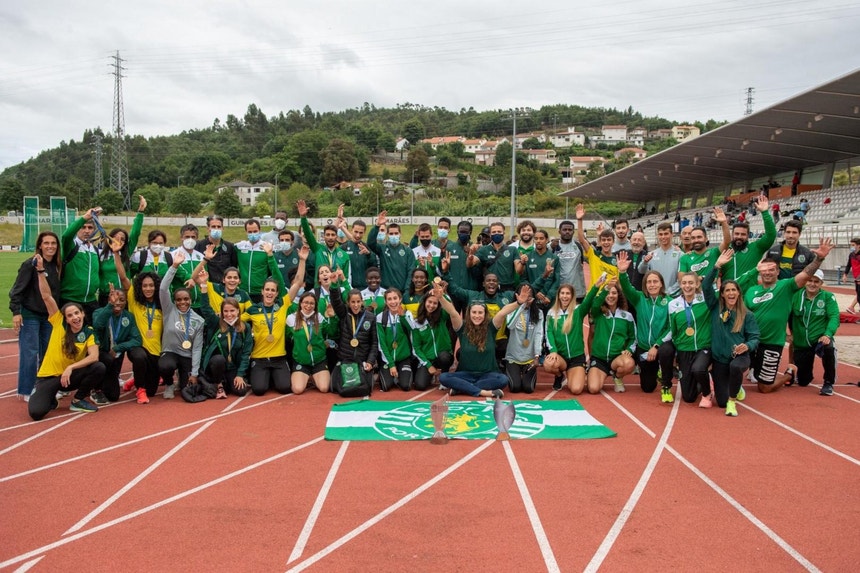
x=350, y=380
x=144, y=254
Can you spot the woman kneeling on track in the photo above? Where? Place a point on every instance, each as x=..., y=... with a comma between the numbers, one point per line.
x=72, y=359
x=477, y=371
x=564, y=340
x=309, y=330
x=227, y=355
x=392, y=332
x=614, y=339
x=431, y=342
x=182, y=337
x=268, y=320
x=356, y=345
x=735, y=335
x=525, y=343
x=117, y=333
x=654, y=349
x=690, y=323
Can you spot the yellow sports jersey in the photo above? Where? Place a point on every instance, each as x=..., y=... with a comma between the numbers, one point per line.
x=149, y=322
x=56, y=361
x=268, y=328
x=598, y=264
x=787, y=259
x=216, y=297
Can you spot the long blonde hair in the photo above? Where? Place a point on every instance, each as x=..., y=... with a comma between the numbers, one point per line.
x=740, y=307
x=556, y=309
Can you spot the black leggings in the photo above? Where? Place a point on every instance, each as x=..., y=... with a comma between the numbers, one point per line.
x=268, y=372
x=521, y=377
x=403, y=379
x=694, y=373
x=145, y=368
x=110, y=383
x=170, y=362
x=218, y=371
x=729, y=377
x=82, y=380
x=648, y=370
x=442, y=363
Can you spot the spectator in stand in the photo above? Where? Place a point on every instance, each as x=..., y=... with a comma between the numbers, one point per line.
x=853, y=267
x=793, y=257
x=775, y=210
x=223, y=253
x=814, y=320
x=795, y=181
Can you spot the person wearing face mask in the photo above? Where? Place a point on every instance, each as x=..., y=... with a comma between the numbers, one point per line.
x=749, y=253
x=253, y=262
x=184, y=279
x=227, y=356
x=329, y=253
x=426, y=253
x=396, y=260
x=497, y=258
x=360, y=256
x=457, y=251
x=287, y=258
x=153, y=259
x=80, y=280
x=309, y=331
x=279, y=224
x=223, y=252
x=814, y=320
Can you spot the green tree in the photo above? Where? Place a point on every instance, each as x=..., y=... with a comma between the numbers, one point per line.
x=386, y=142
x=297, y=192
x=109, y=200
x=503, y=154
x=154, y=196
x=227, y=204
x=304, y=149
x=207, y=166
x=261, y=209
x=77, y=191
x=419, y=162
x=339, y=162
x=11, y=195
x=413, y=130
x=184, y=201
x=532, y=143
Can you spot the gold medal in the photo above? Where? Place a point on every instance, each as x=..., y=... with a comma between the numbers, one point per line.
x=437, y=280
x=150, y=333
x=354, y=342
x=526, y=343
x=186, y=344
x=394, y=345
x=690, y=331
x=270, y=338
x=310, y=348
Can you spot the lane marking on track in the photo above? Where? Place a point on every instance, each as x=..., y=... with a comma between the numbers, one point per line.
x=75, y=415
x=59, y=417
x=774, y=536
x=28, y=565
x=122, y=519
x=311, y=520
x=7, y=393
x=387, y=511
x=138, y=440
x=835, y=393
x=305, y=534
x=636, y=494
x=800, y=434
x=540, y=534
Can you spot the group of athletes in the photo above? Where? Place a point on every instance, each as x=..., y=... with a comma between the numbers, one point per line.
x=362, y=309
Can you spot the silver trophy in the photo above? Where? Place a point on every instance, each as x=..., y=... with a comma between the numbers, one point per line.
x=439, y=415
x=504, y=413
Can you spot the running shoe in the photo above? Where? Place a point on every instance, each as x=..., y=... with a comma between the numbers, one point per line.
x=83, y=405
x=741, y=395
x=666, y=395
x=61, y=394
x=826, y=389
x=619, y=385
x=731, y=408
x=128, y=385
x=142, y=398
x=706, y=402
x=556, y=384
x=170, y=392
x=98, y=397
x=497, y=394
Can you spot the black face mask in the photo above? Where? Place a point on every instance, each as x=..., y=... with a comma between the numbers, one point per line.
x=425, y=243
x=464, y=238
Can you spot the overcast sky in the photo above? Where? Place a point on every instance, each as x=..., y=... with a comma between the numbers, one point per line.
x=189, y=62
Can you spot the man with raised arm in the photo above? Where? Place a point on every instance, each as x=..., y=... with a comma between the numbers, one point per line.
x=749, y=253
x=328, y=254
x=396, y=260
x=598, y=262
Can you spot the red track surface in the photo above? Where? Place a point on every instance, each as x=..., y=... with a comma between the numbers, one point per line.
x=249, y=485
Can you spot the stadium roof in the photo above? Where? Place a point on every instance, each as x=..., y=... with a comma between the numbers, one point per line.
x=816, y=127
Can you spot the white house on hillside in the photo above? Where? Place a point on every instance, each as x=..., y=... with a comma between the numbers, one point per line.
x=246, y=192
x=582, y=163
x=542, y=156
x=610, y=135
x=684, y=132
x=567, y=138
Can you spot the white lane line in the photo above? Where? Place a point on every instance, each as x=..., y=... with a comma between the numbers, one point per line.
x=28, y=565
x=636, y=494
x=76, y=415
x=137, y=479
x=840, y=394
x=138, y=440
x=122, y=519
x=305, y=534
x=794, y=553
x=802, y=435
x=48, y=419
x=531, y=511
x=630, y=415
x=7, y=393
x=338, y=543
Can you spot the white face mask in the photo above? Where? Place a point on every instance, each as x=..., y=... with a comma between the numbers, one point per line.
x=156, y=248
x=189, y=244
x=280, y=224
x=231, y=321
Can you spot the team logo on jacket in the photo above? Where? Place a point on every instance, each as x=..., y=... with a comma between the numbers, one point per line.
x=763, y=298
x=507, y=253
x=801, y=258
x=124, y=321
x=81, y=337
x=820, y=304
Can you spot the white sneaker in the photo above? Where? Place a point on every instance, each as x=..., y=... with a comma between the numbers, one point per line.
x=619, y=385
x=170, y=392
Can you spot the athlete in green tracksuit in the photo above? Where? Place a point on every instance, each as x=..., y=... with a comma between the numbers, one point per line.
x=80, y=280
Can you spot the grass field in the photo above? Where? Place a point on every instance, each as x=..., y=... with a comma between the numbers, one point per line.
x=9, y=263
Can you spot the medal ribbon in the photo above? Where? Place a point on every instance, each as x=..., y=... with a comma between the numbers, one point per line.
x=356, y=327
x=115, y=327
x=185, y=319
x=270, y=319
x=688, y=309
x=150, y=314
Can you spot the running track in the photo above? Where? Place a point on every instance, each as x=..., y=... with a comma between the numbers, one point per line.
x=250, y=485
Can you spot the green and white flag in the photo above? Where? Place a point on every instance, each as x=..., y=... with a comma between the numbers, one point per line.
x=470, y=420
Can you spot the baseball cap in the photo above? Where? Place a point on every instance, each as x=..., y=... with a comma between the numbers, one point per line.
x=819, y=274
